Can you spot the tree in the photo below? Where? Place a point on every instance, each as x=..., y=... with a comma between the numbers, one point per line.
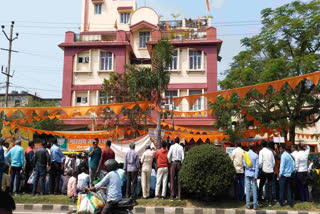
x=143, y=83
x=207, y=171
x=287, y=46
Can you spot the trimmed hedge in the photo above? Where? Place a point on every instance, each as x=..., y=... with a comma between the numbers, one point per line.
x=207, y=171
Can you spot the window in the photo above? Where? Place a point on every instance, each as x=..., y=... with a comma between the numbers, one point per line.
x=124, y=18
x=97, y=8
x=169, y=104
x=104, y=98
x=144, y=37
x=82, y=99
x=106, y=61
x=197, y=106
x=17, y=103
x=83, y=59
x=195, y=60
x=174, y=64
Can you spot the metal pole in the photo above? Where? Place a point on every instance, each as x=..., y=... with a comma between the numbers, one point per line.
x=9, y=63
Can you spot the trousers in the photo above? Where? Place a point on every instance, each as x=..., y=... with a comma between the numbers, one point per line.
x=162, y=178
x=266, y=177
x=285, y=185
x=15, y=174
x=132, y=182
x=250, y=182
x=145, y=183
x=175, y=185
x=239, y=186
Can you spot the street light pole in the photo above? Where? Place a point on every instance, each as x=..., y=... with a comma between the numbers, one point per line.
x=10, y=39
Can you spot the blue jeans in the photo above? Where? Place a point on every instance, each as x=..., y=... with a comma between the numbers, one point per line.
x=285, y=184
x=239, y=187
x=41, y=173
x=250, y=182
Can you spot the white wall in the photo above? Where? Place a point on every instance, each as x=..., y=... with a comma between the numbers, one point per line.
x=106, y=20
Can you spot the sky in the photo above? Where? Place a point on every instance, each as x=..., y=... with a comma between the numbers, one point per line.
x=38, y=65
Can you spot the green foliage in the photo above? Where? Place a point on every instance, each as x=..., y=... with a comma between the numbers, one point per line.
x=287, y=46
x=39, y=103
x=207, y=171
x=141, y=83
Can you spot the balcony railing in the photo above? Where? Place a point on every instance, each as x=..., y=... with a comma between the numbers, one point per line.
x=171, y=24
x=183, y=24
x=202, y=23
x=93, y=38
x=185, y=35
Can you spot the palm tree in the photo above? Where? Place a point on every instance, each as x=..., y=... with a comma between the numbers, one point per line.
x=161, y=59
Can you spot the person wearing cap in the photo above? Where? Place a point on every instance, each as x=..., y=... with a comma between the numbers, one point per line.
x=95, y=155
x=175, y=158
x=131, y=166
x=16, y=158
x=2, y=162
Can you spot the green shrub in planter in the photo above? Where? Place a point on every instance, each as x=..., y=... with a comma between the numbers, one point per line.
x=207, y=171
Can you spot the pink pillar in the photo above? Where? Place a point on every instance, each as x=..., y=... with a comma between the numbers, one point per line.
x=67, y=78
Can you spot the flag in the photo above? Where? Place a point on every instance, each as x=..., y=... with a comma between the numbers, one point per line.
x=167, y=24
x=88, y=27
x=199, y=20
x=116, y=24
x=208, y=5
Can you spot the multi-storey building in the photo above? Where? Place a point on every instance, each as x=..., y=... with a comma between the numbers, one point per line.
x=115, y=33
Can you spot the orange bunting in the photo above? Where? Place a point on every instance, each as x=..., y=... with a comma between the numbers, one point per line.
x=192, y=99
x=116, y=109
x=242, y=93
x=262, y=88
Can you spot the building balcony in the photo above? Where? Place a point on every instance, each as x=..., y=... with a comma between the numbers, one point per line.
x=184, y=35
x=185, y=24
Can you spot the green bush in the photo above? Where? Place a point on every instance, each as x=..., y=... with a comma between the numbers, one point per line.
x=207, y=171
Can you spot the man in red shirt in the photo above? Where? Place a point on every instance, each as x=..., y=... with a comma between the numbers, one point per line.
x=106, y=154
x=162, y=170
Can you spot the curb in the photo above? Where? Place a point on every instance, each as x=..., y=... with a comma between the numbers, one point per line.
x=158, y=210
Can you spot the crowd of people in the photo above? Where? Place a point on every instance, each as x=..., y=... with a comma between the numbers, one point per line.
x=48, y=171
x=284, y=174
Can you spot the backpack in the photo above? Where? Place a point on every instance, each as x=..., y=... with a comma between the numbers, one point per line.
x=247, y=159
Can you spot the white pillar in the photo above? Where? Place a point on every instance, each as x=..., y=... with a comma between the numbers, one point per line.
x=73, y=98
x=97, y=97
x=202, y=100
x=88, y=97
x=178, y=94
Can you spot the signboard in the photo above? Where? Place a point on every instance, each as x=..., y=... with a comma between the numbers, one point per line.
x=278, y=139
x=229, y=150
x=83, y=144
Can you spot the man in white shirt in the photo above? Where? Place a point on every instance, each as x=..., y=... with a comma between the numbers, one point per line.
x=302, y=172
x=175, y=158
x=83, y=180
x=237, y=159
x=295, y=190
x=5, y=147
x=266, y=164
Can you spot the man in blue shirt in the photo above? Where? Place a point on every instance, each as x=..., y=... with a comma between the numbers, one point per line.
x=287, y=167
x=112, y=183
x=56, y=169
x=251, y=175
x=16, y=154
x=95, y=155
x=2, y=162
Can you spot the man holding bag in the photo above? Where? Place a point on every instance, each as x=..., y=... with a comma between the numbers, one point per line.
x=251, y=175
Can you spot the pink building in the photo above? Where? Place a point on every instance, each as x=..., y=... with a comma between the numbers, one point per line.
x=115, y=33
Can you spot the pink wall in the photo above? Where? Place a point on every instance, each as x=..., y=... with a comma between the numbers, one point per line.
x=69, y=52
